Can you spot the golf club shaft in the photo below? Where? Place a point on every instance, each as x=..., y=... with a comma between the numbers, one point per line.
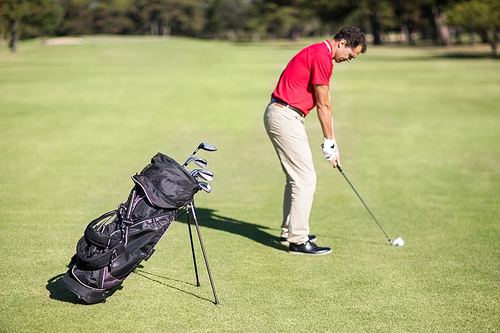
x=368, y=209
x=187, y=161
x=205, y=146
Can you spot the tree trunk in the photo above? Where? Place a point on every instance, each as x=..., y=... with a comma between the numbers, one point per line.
x=484, y=36
x=406, y=32
x=376, y=29
x=494, y=43
x=442, y=30
x=231, y=36
x=473, y=38
x=494, y=48
x=166, y=32
x=295, y=34
x=14, y=36
x=154, y=29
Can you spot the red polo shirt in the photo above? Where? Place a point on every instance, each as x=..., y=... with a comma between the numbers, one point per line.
x=312, y=65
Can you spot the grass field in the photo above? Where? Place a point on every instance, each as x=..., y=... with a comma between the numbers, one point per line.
x=418, y=131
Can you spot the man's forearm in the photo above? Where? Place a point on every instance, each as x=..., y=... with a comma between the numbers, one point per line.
x=326, y=120
x=324, y=109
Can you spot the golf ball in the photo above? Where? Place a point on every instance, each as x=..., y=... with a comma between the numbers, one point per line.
x=399, y=242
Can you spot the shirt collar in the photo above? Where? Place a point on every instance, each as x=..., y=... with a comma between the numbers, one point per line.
x=328, y=45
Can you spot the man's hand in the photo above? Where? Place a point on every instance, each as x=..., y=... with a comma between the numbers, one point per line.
x=329, y=148
x=335, y=161
x=331, y=152
x=324, y=108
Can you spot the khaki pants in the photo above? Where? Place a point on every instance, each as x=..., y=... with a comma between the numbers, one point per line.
x=286, y=129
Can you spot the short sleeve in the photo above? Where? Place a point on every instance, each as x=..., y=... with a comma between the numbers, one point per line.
x=321, y=70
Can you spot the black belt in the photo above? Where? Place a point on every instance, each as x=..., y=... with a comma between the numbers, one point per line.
x=281, y=103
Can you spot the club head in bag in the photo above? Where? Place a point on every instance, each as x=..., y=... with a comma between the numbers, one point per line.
x=205, y=187
x=204, y=146
x=202, y=163
x=204, y=174
x=207, y=146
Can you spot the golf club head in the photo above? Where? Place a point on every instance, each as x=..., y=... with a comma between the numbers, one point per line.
x=205, y=174
x=207, y=146
x=195, y=173
x=205, y=187
x=202, y=163
x=398, y=242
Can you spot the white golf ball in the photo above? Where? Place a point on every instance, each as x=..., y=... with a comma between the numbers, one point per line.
x=398, y=242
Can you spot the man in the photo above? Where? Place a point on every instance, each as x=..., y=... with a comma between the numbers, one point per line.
x=303, y=85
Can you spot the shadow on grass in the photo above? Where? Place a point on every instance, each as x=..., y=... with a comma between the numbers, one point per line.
x=161, y=280
x=468, y=55
x=362, y=241
x=63, y=294
x=208, y=218
x=459, y=56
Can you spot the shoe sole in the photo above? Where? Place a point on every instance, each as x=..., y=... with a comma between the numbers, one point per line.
x=286, y=243
x=311, y=253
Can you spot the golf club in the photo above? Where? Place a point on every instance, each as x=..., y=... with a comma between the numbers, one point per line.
x=398, y=241
x=205, y=174
x=205, y=187
x=202, y=163
x=205, y=146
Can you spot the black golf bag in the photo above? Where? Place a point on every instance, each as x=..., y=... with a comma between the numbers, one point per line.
x=114, y=244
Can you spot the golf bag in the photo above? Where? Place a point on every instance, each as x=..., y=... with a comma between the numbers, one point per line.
x=115, y=243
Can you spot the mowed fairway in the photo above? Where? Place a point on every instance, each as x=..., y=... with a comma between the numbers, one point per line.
x=419, y=137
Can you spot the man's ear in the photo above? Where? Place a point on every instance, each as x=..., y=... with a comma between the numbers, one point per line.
x=342, y=43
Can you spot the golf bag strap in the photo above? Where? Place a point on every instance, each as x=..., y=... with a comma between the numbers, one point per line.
x=128, y=221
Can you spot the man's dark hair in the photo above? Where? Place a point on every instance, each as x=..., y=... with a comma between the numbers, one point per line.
x=353, y=36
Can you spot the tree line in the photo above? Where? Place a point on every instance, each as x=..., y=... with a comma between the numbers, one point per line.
x=440, y=21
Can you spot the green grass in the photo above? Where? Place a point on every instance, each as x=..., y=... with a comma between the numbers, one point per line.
x=419, y=138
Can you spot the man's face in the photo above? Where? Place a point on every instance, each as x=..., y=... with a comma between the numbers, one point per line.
x=345, y=53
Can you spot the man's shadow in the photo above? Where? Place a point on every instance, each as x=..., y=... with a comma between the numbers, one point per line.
x=208, y=218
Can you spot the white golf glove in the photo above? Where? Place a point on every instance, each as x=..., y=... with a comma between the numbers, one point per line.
x=329, y=148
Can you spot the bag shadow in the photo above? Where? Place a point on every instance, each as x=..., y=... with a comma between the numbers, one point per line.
x=208, y=218
x=59, y=292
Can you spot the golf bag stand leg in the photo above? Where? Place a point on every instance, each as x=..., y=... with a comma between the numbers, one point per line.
x=193, y=212
x=192, y=247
